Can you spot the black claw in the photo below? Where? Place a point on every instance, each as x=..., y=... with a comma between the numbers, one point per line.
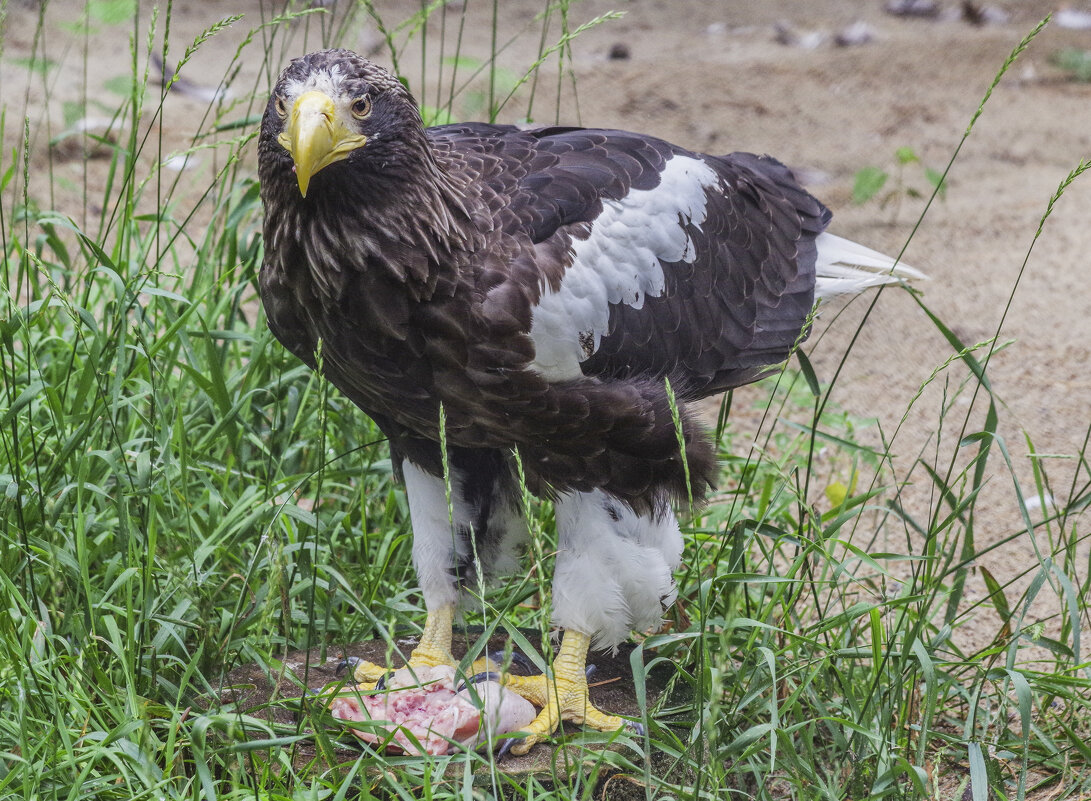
x=346, y=663
x=487, y=675
x=636, y=728
x=589, y=671
x=505, y=747
x=517, y=658
x=380, y=685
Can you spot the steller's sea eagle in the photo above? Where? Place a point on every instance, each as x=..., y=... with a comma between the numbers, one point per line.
x=541, y=287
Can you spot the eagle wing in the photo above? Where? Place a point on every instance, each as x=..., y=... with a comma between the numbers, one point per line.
x=649, y=260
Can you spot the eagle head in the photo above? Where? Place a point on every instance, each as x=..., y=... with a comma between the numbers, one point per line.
x=334, y=106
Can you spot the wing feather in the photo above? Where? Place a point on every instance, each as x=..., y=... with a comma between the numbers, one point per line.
x=700, y=287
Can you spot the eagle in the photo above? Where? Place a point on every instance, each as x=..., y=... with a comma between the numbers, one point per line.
x=534, y=308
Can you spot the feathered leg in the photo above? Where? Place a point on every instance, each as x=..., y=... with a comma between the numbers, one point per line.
x=442, y=549
x=437, y=549
x=613, y=576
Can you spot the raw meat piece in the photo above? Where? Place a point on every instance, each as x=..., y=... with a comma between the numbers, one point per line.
x=424, y=703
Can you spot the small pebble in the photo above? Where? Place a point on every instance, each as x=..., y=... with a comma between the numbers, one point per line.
x=619, y=51
x=785, y=34
x=913, y=8
x=983, y=15
x=858, y=33
x=1073, y=19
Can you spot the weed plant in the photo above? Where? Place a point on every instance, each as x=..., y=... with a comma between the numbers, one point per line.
x=180, y=496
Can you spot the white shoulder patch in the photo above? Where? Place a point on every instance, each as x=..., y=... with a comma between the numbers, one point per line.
x=620, y=262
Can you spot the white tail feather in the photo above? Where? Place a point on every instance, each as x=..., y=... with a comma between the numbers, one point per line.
x=844, y=267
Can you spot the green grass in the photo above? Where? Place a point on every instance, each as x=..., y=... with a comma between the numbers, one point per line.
x=180, y=496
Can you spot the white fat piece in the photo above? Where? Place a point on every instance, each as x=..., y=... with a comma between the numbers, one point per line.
x=437, y=545
x=614, y=567
x=621, y=261
x=845, y=267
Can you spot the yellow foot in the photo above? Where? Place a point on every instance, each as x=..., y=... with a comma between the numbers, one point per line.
x=564, y=697
x=433, y=650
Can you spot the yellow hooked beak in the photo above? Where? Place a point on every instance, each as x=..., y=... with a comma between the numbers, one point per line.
x=315, y=136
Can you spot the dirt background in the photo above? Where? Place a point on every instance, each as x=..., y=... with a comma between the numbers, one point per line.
x=717, y=77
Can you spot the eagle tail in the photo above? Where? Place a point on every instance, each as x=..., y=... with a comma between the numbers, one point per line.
x=844, y=267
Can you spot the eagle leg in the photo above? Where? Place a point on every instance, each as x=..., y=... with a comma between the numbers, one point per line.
x=433, y=649
x=565, y=696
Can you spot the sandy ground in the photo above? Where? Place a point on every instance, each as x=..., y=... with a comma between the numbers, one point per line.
x=712, y=76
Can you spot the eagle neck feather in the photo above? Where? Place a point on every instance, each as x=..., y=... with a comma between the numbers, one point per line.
x=415, y=226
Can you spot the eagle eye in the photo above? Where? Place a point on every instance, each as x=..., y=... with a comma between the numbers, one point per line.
x=361, y=107
x=282, y=109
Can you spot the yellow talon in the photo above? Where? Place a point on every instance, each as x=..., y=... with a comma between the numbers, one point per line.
x=367, y=674
x=565, y=697
x=562, y=696
x=434, y=649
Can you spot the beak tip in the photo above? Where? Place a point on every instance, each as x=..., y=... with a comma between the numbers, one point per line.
x=302, y=181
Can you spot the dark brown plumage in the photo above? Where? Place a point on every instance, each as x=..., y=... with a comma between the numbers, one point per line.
x=419, y=264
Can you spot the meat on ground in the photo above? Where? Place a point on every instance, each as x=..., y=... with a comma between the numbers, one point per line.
x=419, y=712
